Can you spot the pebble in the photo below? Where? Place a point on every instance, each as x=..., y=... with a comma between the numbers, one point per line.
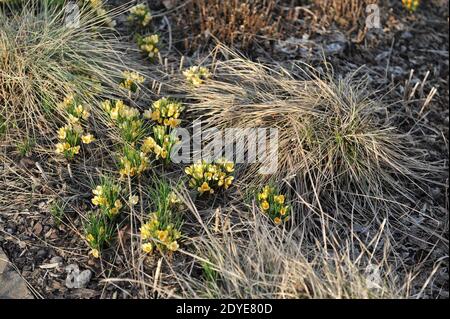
x=11, y=229
x=42, y=253
x=406, y=35
x=335, y=48
x=75, y=278
x=56, y=259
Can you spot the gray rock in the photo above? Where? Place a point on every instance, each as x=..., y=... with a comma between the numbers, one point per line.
x=12, y=285
x=56, y=259
x=335, y=48
x=77, y=279
x=406, y=35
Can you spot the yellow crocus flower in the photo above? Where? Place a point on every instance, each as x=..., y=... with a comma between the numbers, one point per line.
x=90, y=238
x=147, y=248
x=62, y=133
x=134, y=200
x=262, y=196
x=114, y=211
x=279, y=199
x=229, y=167
x=205, y=188
x=98, y=190
x=76, y=149
x=173, y=246
x=228, y=181
x=73, y=119
x=156, y=116
x=95, y=253
x=114, y=113
x=145, y=231
x=173, y=198
x=118, y=204
x=87, y=139
x=85, y=115
x=62, y=147
x=163, y=153
x=171, y=110
x=163, y=235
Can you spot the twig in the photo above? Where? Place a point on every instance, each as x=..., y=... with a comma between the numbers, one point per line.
x=170, y=33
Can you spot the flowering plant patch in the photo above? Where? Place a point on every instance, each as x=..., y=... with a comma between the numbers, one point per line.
x=196, y=75
x=273, y=204
x=208, y=178
x=140, y=15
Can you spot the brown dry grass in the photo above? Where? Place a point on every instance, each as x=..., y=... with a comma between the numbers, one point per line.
x=348, y=14
x=235, y=22
x=41, y=60
x=246, y=257
x=247, y=24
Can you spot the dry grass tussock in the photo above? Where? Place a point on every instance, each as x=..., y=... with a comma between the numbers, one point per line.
x=238, y=254
x=235, y=23
x=249, y=24
x=42, y=60
x=348, y=14
x=338, y=149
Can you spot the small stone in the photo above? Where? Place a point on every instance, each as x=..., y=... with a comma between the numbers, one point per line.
x=406, y=35
x=42, y=205
x=84, y=278
x=92, y=262
x=12, y=285
x=77, y=279
x=56, y=259
x=72, y=268
x=335, y=48
x=42, y=253
x=169, y=4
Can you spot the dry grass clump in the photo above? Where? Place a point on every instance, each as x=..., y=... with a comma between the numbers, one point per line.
x=42, y=59
x=246, y=24
x=337, y=146
x=255, y=259
x=236, y=22
x=348, y=14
